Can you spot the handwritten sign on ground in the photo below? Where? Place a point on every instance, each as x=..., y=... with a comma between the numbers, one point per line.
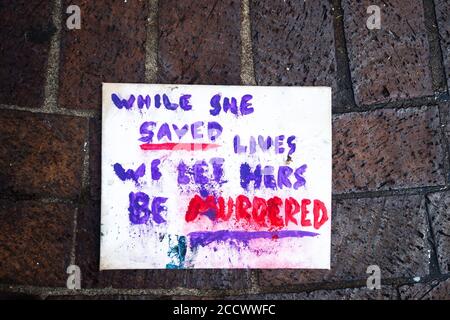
x=215, y=177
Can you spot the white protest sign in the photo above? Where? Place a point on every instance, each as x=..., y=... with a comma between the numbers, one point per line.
x=200, y=176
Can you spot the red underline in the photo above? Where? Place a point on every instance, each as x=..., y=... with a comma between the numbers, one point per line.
x=179, y=146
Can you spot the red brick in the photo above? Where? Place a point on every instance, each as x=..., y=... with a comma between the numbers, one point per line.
x=439, y=209
x=25, y=33
x=391, y=63
x=285, y=43
x=35, y=242
x=443, y=17
x=42, y=154
x=199, y=42
x=387, y=149
x=366, y=232
x=109, y=47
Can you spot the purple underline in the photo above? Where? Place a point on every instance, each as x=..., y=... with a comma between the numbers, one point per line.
x=204, y=238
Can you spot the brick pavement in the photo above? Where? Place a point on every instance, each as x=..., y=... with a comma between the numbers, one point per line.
x=391, y=136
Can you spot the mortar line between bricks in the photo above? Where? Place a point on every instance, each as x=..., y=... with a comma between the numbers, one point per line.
x=336, y=196
x=399, y=104
x=181, y=291
x=52, y=77
x=397, y=293
x=402, y=104
x=344, y=78
x=351, y=284
x=55, y=291
x=85, y=166
x=446, y=143
x=84, y=189
x=389, y=193
x=247, y=67
x=37, y=198
x=252, y=281
x=436, y=58
x=433, y=264
x=434, y=267
x=59, y=111
x=74, y=237
x=151, y=43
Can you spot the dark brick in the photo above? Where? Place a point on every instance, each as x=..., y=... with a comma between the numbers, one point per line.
x=109, y=47
x=87, y=248
x=142, y=279
x=426, y=291
x=387, y=149
x=25, y=33
x=366, y=232
x=168, y=279
x=41, y=154
x=18, y=296
x=439, y=209
x=414, y=291
x=443, y=18
x=35, y=242
x=390, y=63
x=199, y=42
x=439, y=292
x=285, y=43
x=217, y=279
